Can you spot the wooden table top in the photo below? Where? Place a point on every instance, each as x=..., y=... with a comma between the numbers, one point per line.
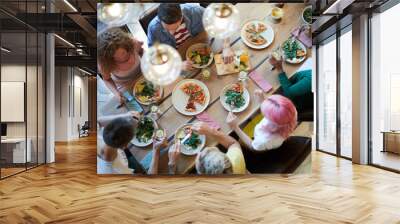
x=171, y=119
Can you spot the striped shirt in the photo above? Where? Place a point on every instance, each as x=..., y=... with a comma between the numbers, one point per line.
x=181, y=34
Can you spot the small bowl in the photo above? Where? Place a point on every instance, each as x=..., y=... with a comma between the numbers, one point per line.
x=276, y=13
x=302, y=15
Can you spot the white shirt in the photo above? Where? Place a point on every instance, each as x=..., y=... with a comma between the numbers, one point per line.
x=265, y=141
x=118, y=166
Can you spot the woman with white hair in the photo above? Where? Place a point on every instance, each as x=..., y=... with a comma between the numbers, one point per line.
x=211, y=160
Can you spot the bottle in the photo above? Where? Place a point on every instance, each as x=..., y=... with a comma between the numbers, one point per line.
x=243, y=77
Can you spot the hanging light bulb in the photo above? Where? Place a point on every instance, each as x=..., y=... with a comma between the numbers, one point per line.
x=114, y=14
x=221, y=20
x=161, y=64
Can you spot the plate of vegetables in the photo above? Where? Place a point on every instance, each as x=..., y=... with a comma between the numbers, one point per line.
x=144, y=132
x=146, y=92
x=200, y=54
x=294, y=51
x=235, y=97
x=307, y=15
x=191, y=141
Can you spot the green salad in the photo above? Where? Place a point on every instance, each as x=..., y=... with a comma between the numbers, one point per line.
x=200, y=56
x=234, y=98
x=290, y=48
x=307, y=15
x=148, y=89
x=145, y=129
x=193, y=141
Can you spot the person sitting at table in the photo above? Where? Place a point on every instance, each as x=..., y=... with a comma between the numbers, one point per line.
x=279, y=121
x=211, y=160
x=118, y=57
x=298, y=88
x=117, y=131
x=175, y=23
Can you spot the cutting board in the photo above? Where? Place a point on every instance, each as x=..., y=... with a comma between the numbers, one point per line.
x=226, y=69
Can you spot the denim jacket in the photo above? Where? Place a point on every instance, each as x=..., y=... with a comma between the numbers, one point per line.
x=192, y=16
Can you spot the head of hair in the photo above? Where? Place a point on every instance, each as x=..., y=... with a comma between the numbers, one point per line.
x=281, y=115
x=118, y=133
x=212, y=161
x=169, y=13
x=108, y=42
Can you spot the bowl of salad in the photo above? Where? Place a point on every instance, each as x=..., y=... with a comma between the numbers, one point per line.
x=294, y=51
x=234, y=97
x=191, y=141
x=147, y=93
x=144, y=132
x=306, y=15
x=200, y=54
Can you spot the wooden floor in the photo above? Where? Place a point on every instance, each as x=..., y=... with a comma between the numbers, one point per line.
x=69, y=191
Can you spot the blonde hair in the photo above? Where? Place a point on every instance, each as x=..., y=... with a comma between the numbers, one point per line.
x=212, y=161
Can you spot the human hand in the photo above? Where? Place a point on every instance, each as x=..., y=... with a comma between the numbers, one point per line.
x=202, y=128
x=160, y=143
x=232, y=120
x=187, y=65
x=134, y=114
x=228, y=55
x=173, y=153
x=121, y=99
x=259, y=95
x=276, y=63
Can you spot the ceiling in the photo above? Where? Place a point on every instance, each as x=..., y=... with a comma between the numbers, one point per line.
x=21, y=21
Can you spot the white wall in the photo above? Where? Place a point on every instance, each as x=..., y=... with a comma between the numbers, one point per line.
x=70, y=83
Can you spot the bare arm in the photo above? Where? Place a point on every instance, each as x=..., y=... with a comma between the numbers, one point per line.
x=232, y=121
x=222, y=138
x=246, y=140
x=111, y=86
x=109, y=82
x=154, y=161
x=157, y=146
x=104, y=120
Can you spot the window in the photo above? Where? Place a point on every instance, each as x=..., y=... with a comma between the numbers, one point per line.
x=327, y=96
x=346, y=93
x=385, y=89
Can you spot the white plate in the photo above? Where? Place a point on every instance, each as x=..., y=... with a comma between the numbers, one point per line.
x=246, y=96
x=150, y=102
x=136, y=142
x=268, y=34
x=295, y=60
x=200, y=45
x=179, y=98
x=187, y=150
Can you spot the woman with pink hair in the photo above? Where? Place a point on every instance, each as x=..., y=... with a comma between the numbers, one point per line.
x=280, y=119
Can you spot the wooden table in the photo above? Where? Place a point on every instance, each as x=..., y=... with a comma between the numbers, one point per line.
x=171, y=119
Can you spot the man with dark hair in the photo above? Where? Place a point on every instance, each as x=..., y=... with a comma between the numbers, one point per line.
x=118, y=131
x=176, y=23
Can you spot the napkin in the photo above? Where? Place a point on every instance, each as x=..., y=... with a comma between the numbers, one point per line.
x=302, y=37
x=205, y=117
x=260, y=81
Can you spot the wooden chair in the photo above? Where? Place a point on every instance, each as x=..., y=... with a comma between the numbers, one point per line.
x=145, y=19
